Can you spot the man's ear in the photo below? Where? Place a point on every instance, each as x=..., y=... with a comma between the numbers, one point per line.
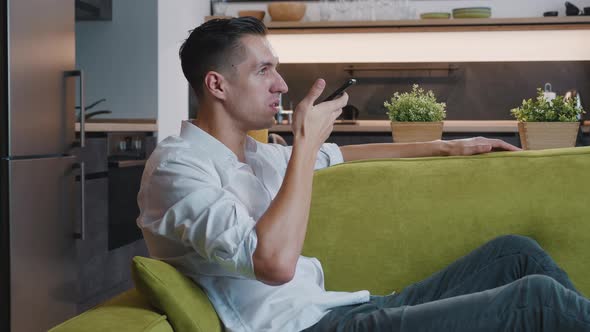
x=215, y=83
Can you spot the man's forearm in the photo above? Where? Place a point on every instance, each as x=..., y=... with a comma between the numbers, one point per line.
x=281, y=230
x=393, y=150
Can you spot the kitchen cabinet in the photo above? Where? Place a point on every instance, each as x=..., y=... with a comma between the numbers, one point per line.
x=94, y=10
x=91, y=252
x=102, y=272
x=94, y=155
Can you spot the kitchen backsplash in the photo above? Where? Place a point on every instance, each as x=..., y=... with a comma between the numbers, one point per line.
x=472, y=91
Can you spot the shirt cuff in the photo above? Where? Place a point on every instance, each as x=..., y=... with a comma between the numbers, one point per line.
x=333, y=153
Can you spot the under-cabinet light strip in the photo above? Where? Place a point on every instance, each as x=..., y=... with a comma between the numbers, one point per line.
x=480, y=46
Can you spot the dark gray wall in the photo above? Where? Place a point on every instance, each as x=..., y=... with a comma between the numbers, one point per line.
x=472, y=91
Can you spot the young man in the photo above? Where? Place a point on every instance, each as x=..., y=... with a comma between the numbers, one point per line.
x=232, y=213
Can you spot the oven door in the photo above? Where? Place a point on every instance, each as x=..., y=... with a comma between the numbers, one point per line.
x=124, y=182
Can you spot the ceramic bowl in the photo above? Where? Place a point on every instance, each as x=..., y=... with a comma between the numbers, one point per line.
x=286, y=11
x=259, y=14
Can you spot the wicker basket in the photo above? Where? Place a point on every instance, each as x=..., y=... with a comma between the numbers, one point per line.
x=416, y=131
x=548, y=135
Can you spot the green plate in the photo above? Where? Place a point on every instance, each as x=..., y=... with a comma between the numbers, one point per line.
x=489, y=9
x=472, y=12
x=472, y=15
x=435, y=15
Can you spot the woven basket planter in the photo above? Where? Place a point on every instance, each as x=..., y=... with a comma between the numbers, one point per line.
x=416, y=131
x=547, y=135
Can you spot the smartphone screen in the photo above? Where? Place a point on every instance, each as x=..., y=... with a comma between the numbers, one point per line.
x=340, y=90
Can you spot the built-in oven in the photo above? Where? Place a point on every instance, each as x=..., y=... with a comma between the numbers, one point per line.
x=127, y=155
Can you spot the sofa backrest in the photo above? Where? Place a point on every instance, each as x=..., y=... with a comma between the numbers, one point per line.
x=384, y=224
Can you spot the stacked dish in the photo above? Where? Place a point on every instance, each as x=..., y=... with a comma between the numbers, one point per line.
x=435, y=15
x=472, y=12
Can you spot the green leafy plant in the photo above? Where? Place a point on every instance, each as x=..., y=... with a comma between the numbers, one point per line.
x=415, y=106
x=541, y=110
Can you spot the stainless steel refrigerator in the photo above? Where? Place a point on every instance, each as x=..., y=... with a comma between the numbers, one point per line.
x=38, y=225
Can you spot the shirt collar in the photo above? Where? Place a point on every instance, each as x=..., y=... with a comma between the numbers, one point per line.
x=197, y=137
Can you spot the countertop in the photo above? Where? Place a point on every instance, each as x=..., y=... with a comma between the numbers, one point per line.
x=450, y=126
x=110, y=125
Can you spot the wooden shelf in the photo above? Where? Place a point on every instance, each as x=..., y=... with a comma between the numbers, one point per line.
x=450, y=126
x=111, y=125
x=490, y=24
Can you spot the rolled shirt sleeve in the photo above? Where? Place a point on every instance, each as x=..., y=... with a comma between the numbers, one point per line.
x=184, y=200
x=202, y=215
x=328, y=155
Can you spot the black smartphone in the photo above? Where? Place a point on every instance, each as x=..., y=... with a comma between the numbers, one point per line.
x=340, y=90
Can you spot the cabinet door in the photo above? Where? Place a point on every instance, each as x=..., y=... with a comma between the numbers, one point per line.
x=94, y=155
x=92, y=252
x=42, y=244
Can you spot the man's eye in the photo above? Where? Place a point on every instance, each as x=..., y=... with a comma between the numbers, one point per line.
x=262, y=71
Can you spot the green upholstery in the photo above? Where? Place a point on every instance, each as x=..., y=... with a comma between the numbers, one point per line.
x=179, y=297
x=384, y=224
x=129, y=312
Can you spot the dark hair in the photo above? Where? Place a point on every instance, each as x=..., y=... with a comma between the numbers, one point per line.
x=214, y=45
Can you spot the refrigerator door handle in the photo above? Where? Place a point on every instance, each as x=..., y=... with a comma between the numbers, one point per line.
x=82, y=234
x=80, y=73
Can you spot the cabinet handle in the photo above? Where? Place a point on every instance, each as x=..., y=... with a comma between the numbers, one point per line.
x=127, y=163
x=80, y=73
x=82, y=234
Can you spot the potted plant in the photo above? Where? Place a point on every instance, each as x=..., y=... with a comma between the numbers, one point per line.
x=415, y=116
x=547, y=124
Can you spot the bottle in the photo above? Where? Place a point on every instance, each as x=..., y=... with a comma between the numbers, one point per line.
x=280, y=112
x=548, y=93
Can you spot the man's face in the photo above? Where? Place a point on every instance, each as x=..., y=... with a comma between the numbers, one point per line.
x=255, y=86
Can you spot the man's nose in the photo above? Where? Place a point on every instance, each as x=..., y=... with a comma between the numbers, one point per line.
x=280, y=85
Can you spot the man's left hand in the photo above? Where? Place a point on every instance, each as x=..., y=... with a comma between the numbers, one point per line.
x=475, y=145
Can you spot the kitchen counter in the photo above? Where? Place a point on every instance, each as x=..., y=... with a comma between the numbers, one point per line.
x=450, y=126
x=374, y=126
x=111, y=125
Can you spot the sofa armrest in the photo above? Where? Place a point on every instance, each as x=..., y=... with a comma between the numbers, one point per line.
x=127, y=312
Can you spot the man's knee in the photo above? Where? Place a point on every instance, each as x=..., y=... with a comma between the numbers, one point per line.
x=516, y=241
x=537, y=288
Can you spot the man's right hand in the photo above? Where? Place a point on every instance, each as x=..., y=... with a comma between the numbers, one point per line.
x=281, y=229
x=312, y=125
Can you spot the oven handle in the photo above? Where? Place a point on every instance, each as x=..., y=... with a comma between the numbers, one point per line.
x=127, y=163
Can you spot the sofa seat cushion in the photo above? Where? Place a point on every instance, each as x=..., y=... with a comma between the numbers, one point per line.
x=188, y=308
x=128, y=312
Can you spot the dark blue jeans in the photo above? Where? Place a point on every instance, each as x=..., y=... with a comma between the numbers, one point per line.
x=508, y=284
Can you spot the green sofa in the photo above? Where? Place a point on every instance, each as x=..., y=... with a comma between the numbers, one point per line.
x=384, y=224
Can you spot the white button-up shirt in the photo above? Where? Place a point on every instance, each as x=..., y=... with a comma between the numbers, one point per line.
x=198, y=211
